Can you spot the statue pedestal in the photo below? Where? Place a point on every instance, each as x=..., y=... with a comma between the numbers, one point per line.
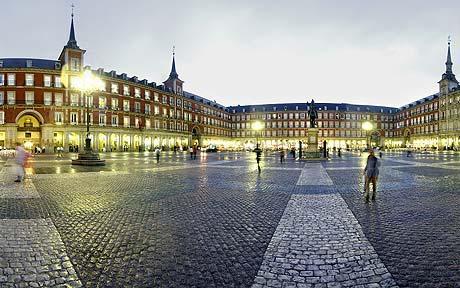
x=311, y=152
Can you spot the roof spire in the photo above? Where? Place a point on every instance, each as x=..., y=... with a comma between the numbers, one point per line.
x=72, y=43
x=173, y=73
x=449, y=58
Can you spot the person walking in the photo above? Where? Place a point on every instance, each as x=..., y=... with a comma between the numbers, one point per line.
x=258, y=156
x=281, y=156
x=191, y=152
x=194, y=152
x=371, y=173
x=157, y=154
x=20, y=159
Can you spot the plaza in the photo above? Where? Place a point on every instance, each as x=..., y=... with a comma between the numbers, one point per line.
x=216, y=222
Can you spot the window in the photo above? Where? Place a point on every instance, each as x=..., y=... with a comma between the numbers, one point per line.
x=73, y=81
x=73, y=100
x=29, y=79
x=73, y=118
x=147, y=95
x=58, y=99
x=2, y=79
x=137, y=122
x=126, y=121
x=2, y=117
x=114, y=120
x=114, y=104
x=156, y=97
x=102, y=102
x=29, y=98
x=156, y=110
x=164, y=99
x=47, y=98
x=11, y=79
x=137, y=92
x=126, y=90
x=147, y=123
x=58, y=117
x=137, y=107
x=2, y=98
x=57, y=82
x=171, y=101
x=147, y=109
x=125, y=105
x=101, y=119
x=47, y=81
x=74, y=64
x=114, y=88
x=11, y=97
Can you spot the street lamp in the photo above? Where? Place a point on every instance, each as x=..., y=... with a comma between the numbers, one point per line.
x=367, y=126
x=257, y=126
x=88, y=84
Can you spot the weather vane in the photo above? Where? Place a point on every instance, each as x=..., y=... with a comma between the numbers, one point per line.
x=174, y=50
x=448, y=39
x=72, y=9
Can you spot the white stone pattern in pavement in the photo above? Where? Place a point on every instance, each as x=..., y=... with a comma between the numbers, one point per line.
x=314, y=173
x=11, y=189
x=319, y=243
x=33, y=255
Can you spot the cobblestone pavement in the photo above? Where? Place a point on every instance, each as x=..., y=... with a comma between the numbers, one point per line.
x=216, y=222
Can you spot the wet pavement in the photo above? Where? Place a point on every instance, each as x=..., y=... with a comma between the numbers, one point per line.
x=216, y=222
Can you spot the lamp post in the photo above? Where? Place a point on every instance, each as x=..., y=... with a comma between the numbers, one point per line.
x=88, y=84
x=257, y=126
x=367, y=126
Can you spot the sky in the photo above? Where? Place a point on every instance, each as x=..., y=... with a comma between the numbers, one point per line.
x=235, y=52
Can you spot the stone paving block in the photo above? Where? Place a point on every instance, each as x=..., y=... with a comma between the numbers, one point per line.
x=321, y=223
x=23, y=240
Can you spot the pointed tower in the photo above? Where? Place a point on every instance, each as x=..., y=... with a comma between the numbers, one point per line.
x=173, y=82
x=448, y=80
x=71, y=56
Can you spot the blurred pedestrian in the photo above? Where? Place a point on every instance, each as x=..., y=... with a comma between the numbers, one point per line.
x=157, y=154
x=21, y=159
x=258, y=156
x=371, y=173
x=281, y=156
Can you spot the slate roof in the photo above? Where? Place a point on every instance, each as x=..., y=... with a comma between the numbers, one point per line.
x=22, y=63
x=319, y=107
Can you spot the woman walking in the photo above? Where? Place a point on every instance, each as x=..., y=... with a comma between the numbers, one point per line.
x=371, y=173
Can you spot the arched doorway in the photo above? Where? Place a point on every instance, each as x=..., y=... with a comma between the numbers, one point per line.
x=29, y=130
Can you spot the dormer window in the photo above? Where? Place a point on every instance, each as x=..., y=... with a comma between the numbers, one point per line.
x=325, y=108
x=336, y=108
x=57, y=65
x=29, y=63
x=274, y=108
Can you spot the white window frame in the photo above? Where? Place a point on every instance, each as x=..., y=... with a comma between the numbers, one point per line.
x=126, y=105
x=57, y=81
x=29, y=97
x=2, y=98
x=2, y=80
x=115, y=123
x=29, y=79
x=137, y=92
x=58, y=117
x=47, y=80
x=126, y=121
x=74, y=118
x=11, y=97
x=114, y=88
x=2, y=117
x=103, y=118
x=11, y=79
x=47, y=98
x=58, y=99
x=125, y=90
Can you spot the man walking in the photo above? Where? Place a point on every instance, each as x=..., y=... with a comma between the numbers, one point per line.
x=258, y=155
x=371, y=173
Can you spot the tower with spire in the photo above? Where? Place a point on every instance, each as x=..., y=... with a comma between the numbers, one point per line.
x=448, y=80
x=71, y=56
x=173, y=82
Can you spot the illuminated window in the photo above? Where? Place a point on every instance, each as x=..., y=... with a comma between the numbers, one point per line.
x=147, y=95
x=126, y=121
x=114, y=104
x=73, y=100
x=114, y=88
x=137, y=92
x=102, y=102
x=126, y=90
